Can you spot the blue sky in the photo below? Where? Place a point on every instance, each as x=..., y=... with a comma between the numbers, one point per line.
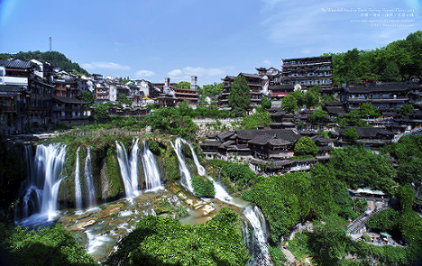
x=152, y=39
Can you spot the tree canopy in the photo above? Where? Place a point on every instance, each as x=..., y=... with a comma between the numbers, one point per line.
x=161, y=240
x=56, y=59
x=239, y=97
x=306, y=145
x=398, y=60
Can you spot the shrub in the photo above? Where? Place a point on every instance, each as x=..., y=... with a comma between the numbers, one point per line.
x=203, y=187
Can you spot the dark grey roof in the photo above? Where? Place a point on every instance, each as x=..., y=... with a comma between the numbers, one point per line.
x=210, y=142
x=289, y=135
x=372, y=132
x=335, y=110
x=225, y=134
x=16, y=63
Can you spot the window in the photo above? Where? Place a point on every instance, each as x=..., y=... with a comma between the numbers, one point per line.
x=2, y=71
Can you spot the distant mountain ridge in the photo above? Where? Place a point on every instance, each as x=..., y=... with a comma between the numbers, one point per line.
x=57, y=59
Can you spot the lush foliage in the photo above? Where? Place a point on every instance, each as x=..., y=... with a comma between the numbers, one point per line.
x=408, y=153
x=212, y=89
x=385, y=220
x=259, y=118
x=183, y=85
x=405, y=109
x=101, y=112
x=203, y=187
x=171, y=120
x=318, y=115
x=163, y=241
x=358, y=167
x=351, y=133
x=88, y=97
x=289, y=103
x=240, y=174
x=239, y=97
x=56, y=59
x=382, y=64
x=312, y=96
x=46, y=246
x=285, y=200
x=306, y=145
x=265, y=102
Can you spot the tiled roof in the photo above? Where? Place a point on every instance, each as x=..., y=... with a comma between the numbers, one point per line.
x=16, y=63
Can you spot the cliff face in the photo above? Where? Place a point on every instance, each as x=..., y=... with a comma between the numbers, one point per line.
x=12, y=174
x=106, y=172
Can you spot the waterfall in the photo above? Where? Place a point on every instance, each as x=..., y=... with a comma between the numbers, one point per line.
x=78, y=189
x=89, y=179
x=199, y=167
x=184, y=171
x=257, y=242
x=220, y=192
x=152, y=174
x=128, y=169
x=43, y=184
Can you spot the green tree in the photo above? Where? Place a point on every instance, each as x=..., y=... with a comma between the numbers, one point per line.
x=46, y=246
x=351, y=133
x=329, y=239
x=289, y=103
x=305, y=145
x=410, y=171
x=368, y=110
x=161, y=240
x=88, y=97
x=298, y=94
x=203, y=187
x=259, y=118
x=386, y=220
x=101, y=112
x=311, y=97
x=405, y=109
x=122, y=98
x=213, y=89
x=358, y=167
x=239, y=97
x=391, y=72
x=183, y=85
x=322, y=194
x=265, y=102
x=318, y=115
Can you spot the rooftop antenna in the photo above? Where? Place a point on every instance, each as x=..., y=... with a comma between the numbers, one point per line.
x=51, y=40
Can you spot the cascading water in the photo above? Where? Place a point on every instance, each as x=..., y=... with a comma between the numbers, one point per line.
x=257, y=241
x=89, y=179
x=78, y=189
x=152, y=174
x=128, y=170
x=186, y=176
x=44, y=183
x=199, y=167
x=220, y=192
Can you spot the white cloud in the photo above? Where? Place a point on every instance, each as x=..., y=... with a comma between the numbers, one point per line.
x=202, y=73
x=105, y=65
x=198, y=71
x=267, y=62
x=175, y=73
x=144, y=73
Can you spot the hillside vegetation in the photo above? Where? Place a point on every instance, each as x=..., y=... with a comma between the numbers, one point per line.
x=57, y=59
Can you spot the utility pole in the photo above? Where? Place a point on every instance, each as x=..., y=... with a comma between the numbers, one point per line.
x=51, y=40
